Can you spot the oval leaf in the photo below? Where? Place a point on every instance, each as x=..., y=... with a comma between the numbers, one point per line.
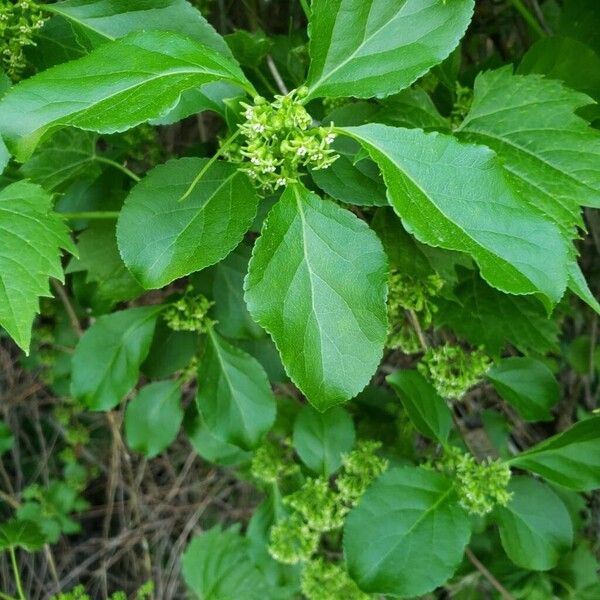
x=366, y=48
x=317, y=284
x=153, y=417
x=535, y=527
x=456, y=196
x=320, y=439
x=162, y=238
x=117, y=86
x=108, y=357
x=234, y=395
x=408, y=534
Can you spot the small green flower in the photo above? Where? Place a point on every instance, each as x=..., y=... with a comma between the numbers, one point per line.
x=293, y=541
x=318, y=504
x=452, y=370
x=361, y=467
x=270, y=464
x=323, y=580
x=189, y=313
x=462, y=105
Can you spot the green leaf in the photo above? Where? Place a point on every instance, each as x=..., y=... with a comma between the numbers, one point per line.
x=153, y=417
x=350, y=180
x=117, y=86
x=456, y=196
x=32, y=237
x=21, y=533
x=4, y=155
x=496, y=319
x=571, y=458
x=162, y=238
x=366, y=48
x=320, y=439
x=7, y=439
x=321, y=298
x=411, y=108
x=108, y=356
x=217, y=565
x=426, y=408
x=528, y=385
x=550, y=153
x=102, y=20
x=68, y=155
x=234, y=395
x=407, y=535
x=99, y=256
x=535, y=526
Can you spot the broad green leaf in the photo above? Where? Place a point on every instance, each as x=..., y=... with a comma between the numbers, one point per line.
x=21, y=534
x=321, y=298
x=571, y=458
x=62, y=158
x=100, y=258
x=320, y=439
x=411, y=108
x=4, y=155
x=103, y=20
x=234, y=395
x=117, y=86
x=162, y=238
x=535, y=526
x=456, y=196
x=249, y=48
x=426, y=408
x=32, y=237
x=153, y=417
x=217, y=565
x=366, y=48
x=351, y=180
x=496, y=319
x=580, y=19
x=528, y=385
x=407, y=535
x=551, y=154
x=579, y=286
x=108, y=356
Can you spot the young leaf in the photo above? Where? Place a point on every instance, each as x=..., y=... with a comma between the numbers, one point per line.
x=320, y=439
x=234, y=395
x=21, y=534
x=366, y=48
x=571, y=458
x=108, y=356
x=32, y=237
x=535, y=526
x=4, y=155
x=153, y=417
x=456, y=196
x=550, y=153
x=117, y=86
x=102, y=20
x=427, y=410
x=528, y=385
x=162, y=238
x=320, y=296
x=408, y=534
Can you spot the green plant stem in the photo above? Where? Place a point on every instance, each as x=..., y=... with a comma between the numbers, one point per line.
x=4, y=596
x=92, y=215
x=306, y=8
x=209, y=164
x=528, y=17
x=116, y=165
x=15, y=567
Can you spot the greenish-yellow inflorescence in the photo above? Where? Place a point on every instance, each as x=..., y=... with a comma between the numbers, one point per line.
x=279, y=141
x=481, y=486
x=322, y=580
x=270, y=463
x=317, y=507
x=19, y=22
x=462, y=105
x=189, y=313
x=408, y=293
x=452, y=370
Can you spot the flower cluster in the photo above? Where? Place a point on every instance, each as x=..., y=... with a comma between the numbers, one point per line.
x=293, y=541
x=407, y=293
x=19, y=21
x=189, y=313
x=462, y=105
x=452, y=370
x=270, y=463
x=322, y=580
x=280, y=140
x=480, y=486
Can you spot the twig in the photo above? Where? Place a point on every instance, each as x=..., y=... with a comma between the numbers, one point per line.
x=276, y=75
x=528, y=17
x=60, y=291
x=486, y=573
